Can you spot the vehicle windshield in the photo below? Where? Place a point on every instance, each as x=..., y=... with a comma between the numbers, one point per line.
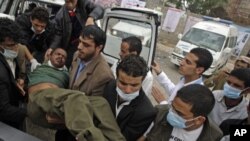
x=204, y=39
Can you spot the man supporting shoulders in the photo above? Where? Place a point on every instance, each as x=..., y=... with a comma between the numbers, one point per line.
x=96, y=72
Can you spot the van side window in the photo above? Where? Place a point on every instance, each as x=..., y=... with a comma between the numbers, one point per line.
x=232, y=42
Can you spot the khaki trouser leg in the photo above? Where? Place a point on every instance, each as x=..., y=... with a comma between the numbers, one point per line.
x=73, y=107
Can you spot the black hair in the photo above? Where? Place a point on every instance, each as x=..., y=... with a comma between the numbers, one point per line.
x=8, y=28
x=205, y=58
x=199, y=97
x=133, y=65
x=54, y=49
x=96, y=33
x=40, y=14
x=242, y=74
x=134, y=44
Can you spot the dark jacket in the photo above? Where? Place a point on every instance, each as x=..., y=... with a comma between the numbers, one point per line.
x=162, y=129
x=10, y=113
x=38, y=44
x=84, y=9
x=135, y=118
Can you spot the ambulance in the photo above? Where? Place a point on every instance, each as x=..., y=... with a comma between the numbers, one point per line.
x=216, y=35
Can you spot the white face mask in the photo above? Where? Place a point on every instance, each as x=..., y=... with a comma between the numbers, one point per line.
x=33, y=29
x=127, y=97
x=9, y=54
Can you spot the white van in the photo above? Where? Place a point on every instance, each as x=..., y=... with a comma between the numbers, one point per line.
x=218, y=37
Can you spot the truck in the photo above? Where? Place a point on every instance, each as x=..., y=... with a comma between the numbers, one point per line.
x=216, y=35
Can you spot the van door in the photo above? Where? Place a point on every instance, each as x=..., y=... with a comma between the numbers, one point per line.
x=119, y=23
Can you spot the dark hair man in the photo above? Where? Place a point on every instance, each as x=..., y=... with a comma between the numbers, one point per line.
x=131, y=107
x=186, y=117
x=197, y=61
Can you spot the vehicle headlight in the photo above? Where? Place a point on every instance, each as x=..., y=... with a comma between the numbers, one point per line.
x=114, y=32
x=178, y=51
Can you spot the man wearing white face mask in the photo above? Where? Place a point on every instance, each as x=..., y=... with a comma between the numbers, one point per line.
x=230, y=102
x=131, y=107
x=37, y=32
x=10, y=84
x=186, y=119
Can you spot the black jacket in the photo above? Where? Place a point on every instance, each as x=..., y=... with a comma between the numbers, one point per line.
x=10, y=113
x=135, y=118
x=38, y=44
x=63, y=25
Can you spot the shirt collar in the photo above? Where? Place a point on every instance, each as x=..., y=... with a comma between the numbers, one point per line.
x=196, y=81
x=64, y=68
x=221, y=99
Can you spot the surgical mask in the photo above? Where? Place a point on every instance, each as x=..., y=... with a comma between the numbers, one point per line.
x=176, y=121
x=231, y=92
x=9, y=54
x=33, y=29
x=127, y=97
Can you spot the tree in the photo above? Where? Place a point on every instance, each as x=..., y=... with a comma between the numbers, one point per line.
x=204, y=7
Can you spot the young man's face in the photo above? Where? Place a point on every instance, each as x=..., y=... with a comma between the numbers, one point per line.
x=240, y=64
x=9, y=44
x=38, y=26
x=58, y=58
x=87, y=49
x=125, y=50
x=183, y=110
x=128, y=84
x=70, y=4
x=188, y=65
x=235, y=82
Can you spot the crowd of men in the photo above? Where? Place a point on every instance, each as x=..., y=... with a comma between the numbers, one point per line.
x=69, y=86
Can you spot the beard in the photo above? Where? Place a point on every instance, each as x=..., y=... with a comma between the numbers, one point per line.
x=86, y=57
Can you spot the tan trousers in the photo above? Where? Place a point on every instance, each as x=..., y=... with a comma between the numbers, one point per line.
x=89, y=118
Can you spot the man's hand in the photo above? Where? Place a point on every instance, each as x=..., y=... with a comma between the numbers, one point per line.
x=20, y=85
x=47, y=54
x=34, y=64
x=90, y=21
x=156, y=67
x=158, y=95
x=54, y=119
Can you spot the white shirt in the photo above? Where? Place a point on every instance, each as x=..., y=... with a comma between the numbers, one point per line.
x=146, y=84
x=12, y=65
x=220, y=111
x=179, y=134
x=171, y=88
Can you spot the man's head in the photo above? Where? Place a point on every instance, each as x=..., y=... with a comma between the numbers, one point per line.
x=237, y=83
x=70, y=4
x=39, y=19
x=130, y=45
x=58, y=57
x=188, y=107
x=242, y=62
x=130, y=73
x=9, y=38
x=91, y=42
x=196, y=62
